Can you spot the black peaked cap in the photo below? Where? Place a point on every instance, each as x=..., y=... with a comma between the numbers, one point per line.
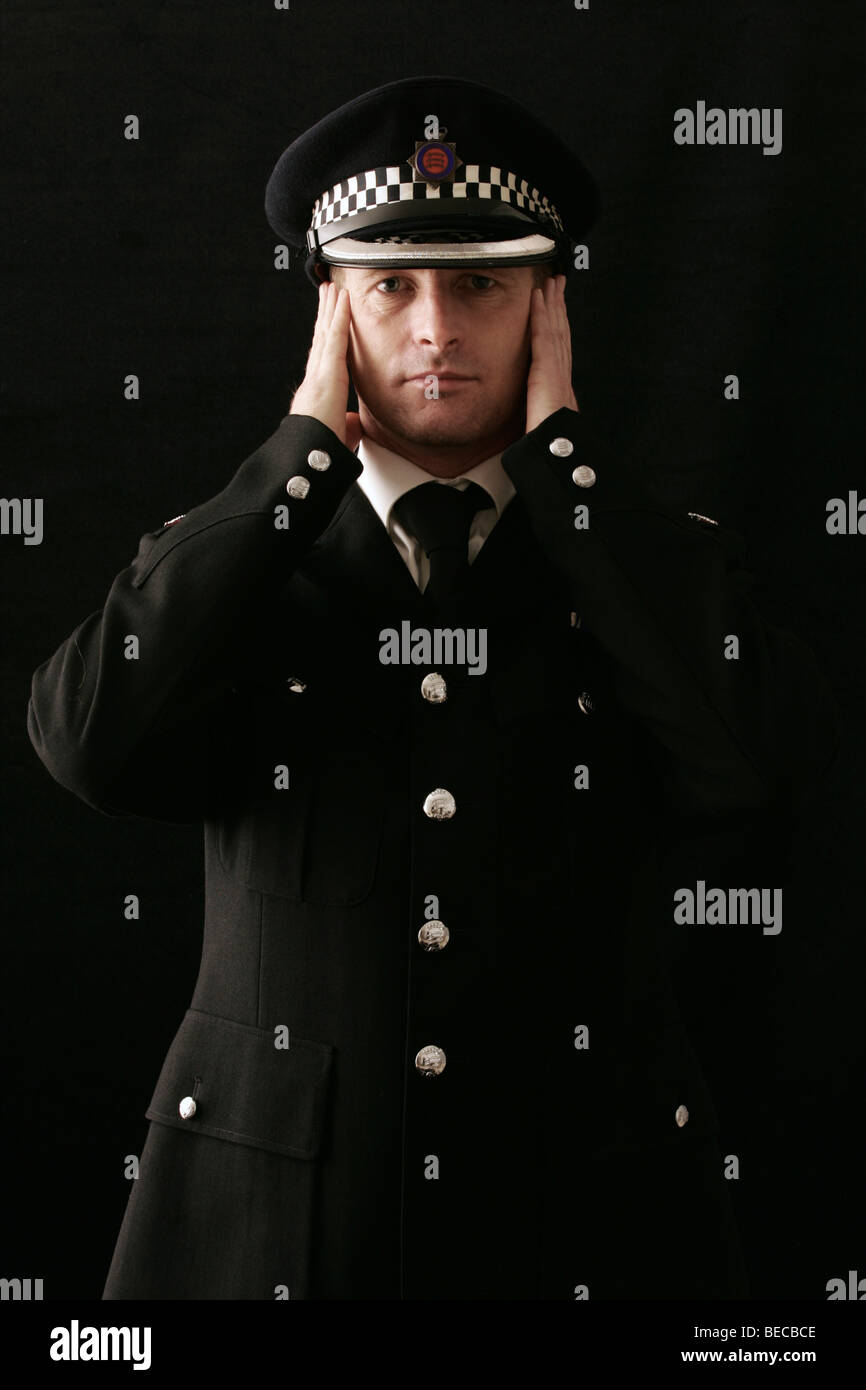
x=379, y=182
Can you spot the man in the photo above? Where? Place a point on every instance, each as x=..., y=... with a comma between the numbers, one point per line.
x=462, y=715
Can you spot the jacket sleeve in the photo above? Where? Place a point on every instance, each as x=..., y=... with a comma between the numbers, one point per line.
x=148, y=734
x=664, y=593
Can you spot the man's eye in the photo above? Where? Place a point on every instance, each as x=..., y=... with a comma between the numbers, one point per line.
x=480, y=282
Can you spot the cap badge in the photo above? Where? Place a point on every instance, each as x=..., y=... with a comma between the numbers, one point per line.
x=434, y=162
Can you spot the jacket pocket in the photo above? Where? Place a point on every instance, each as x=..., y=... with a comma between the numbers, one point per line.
x=226, y=1201
x=243, y=1088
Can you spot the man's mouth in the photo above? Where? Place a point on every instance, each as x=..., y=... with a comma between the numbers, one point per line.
x=440, y=376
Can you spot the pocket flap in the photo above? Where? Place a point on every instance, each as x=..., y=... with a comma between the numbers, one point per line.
x=245, y=1089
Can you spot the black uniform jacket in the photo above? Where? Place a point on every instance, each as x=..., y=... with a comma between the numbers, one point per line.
x=569, y=1146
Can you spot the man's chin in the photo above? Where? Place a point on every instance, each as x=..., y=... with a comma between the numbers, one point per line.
x=442, y=435
x=426, y=427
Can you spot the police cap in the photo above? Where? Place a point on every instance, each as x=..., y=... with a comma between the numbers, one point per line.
x=430, y=171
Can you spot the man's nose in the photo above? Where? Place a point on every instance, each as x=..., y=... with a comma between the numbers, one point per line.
x=435, y=318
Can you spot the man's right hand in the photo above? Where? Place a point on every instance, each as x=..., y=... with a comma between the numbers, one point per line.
x=324, y=391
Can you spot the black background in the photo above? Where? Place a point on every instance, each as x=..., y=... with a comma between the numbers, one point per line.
x=154, y=257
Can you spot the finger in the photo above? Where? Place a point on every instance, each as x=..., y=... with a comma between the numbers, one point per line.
x=338, y=328
x=330, y=304
x=550, y=298
x=322, y=315
x=338, y=294
x=326, y=314
x=539, y=304
x=558, y=311
x=319, y=326
x=539, y=320
x=555, y=291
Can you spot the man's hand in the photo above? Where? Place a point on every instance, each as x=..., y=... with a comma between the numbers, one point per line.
x=548, y=386
x=324, y=391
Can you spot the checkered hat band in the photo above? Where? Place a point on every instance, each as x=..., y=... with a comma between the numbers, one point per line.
x=396, y=184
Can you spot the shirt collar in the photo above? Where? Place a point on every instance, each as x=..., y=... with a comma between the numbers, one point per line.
x=386, y=476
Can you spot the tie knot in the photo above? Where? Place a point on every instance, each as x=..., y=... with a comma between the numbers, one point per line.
x=439, y=515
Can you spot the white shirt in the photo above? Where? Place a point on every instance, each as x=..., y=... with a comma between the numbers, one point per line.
x=387, y=476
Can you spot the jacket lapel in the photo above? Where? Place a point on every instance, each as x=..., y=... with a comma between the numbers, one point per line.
x=356, y=562
x=354, y=583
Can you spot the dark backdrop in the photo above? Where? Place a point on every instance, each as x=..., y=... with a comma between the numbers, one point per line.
x=154, y=257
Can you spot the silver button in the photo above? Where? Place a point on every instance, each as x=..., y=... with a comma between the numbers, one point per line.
x=561, y=447
x=681, y=1116
x=433, y=688
x=586, y=702
x=187, y=1108
x=298, y=486
x=296, y=685
x=430, y=1061
x=439, y=804
x=584, y=476
x=319, y=459
x=574, y=620
x=434, y=935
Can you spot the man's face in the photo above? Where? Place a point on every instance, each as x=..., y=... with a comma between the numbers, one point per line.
x=467, y=328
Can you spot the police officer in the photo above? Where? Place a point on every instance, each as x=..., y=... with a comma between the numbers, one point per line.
x=446, y=683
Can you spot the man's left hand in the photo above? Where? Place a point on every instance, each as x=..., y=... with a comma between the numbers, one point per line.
x=548, y=386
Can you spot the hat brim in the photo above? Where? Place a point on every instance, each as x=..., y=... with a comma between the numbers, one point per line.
x=437, y=253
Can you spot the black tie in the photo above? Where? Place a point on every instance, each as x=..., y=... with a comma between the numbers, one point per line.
x=440, y=516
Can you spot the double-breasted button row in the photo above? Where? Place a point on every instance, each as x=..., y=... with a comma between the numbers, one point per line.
x=299, y=486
